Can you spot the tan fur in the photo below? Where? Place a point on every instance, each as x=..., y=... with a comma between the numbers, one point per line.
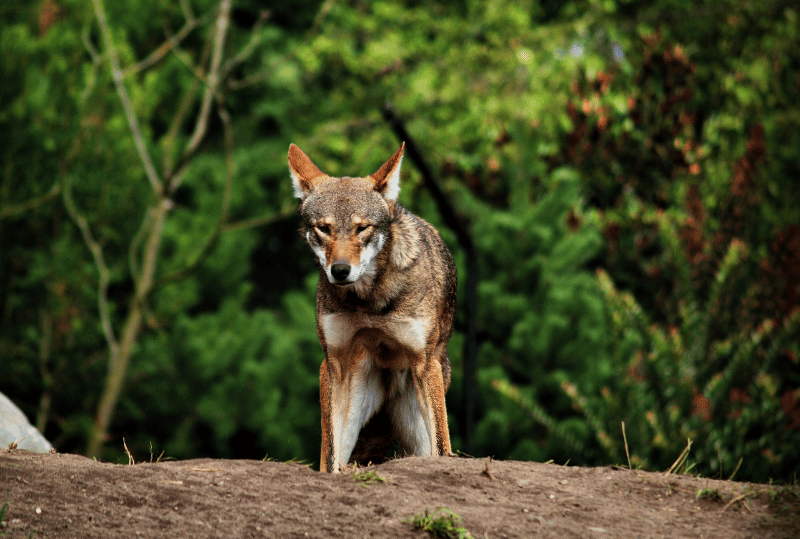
x=385, y=306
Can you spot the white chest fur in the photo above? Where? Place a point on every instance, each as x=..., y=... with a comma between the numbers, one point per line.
x=340, y=328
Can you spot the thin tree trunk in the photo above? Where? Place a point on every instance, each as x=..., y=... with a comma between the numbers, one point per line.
x=121, y=354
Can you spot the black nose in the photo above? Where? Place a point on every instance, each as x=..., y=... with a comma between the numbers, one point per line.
x=340, y=271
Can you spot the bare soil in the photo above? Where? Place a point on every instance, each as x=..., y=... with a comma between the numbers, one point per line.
x=61, y=495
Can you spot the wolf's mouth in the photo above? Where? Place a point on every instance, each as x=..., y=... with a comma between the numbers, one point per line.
x=344, y=282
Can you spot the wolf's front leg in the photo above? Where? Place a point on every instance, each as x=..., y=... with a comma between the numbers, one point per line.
x=350, y=394
x=326, y=459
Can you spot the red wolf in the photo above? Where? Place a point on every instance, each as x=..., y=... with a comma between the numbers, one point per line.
x=385, y=304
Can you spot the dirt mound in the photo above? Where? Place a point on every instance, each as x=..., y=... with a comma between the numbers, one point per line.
x=58, y=495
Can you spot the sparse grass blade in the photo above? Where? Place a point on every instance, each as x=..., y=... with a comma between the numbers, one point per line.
x=736, y=469
x=131, y=462
x=625, y=439
x=681, y=460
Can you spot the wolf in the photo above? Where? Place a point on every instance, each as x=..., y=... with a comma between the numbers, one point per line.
x=385, y=304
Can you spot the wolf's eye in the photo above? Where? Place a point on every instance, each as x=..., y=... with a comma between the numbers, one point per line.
x=323, y=229
x=361, y=228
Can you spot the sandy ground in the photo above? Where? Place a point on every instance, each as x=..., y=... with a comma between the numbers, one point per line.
x=60, y=495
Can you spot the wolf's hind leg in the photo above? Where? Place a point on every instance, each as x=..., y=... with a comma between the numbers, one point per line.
x=419, y=412
x=410, y=417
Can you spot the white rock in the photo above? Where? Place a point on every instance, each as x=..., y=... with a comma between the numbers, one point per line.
x=15, y=428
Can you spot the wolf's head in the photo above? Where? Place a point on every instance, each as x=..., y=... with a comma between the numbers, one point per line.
x=346, y=221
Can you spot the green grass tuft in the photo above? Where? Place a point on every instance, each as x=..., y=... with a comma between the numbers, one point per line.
x=367, y=477
x=709, y=494
x=442, y=523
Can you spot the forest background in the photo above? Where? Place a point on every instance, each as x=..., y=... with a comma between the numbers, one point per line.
x=628, y=171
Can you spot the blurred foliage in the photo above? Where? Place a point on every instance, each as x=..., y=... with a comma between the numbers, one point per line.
x=628, y=170
x=700, y=266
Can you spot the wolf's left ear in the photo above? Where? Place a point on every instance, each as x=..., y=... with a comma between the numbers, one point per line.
x=387, y=178
x=305, y=174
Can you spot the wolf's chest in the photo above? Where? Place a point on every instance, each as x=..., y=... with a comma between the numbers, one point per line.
x=388, y=339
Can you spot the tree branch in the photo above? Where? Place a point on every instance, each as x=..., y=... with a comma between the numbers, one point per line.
x=97, y=60
x=321, y=14
x=99, y=262
x=226, y=199
x=258, y=221
x=127, y=105
x=248, y=49
x=187, y=10
x=170, y=44
x=136, y=242
x=212, y=82
x=224, y=229
x=174, y=128
x=16, y=209
x=222, y=225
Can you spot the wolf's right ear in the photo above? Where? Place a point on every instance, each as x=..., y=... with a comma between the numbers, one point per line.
x=305, y=174
x=387, y=178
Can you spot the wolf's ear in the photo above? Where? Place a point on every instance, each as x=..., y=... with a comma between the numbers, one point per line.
x=387, y=178
x=305, y=174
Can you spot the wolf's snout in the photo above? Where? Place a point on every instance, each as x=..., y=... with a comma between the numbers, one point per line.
x=340, y=271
